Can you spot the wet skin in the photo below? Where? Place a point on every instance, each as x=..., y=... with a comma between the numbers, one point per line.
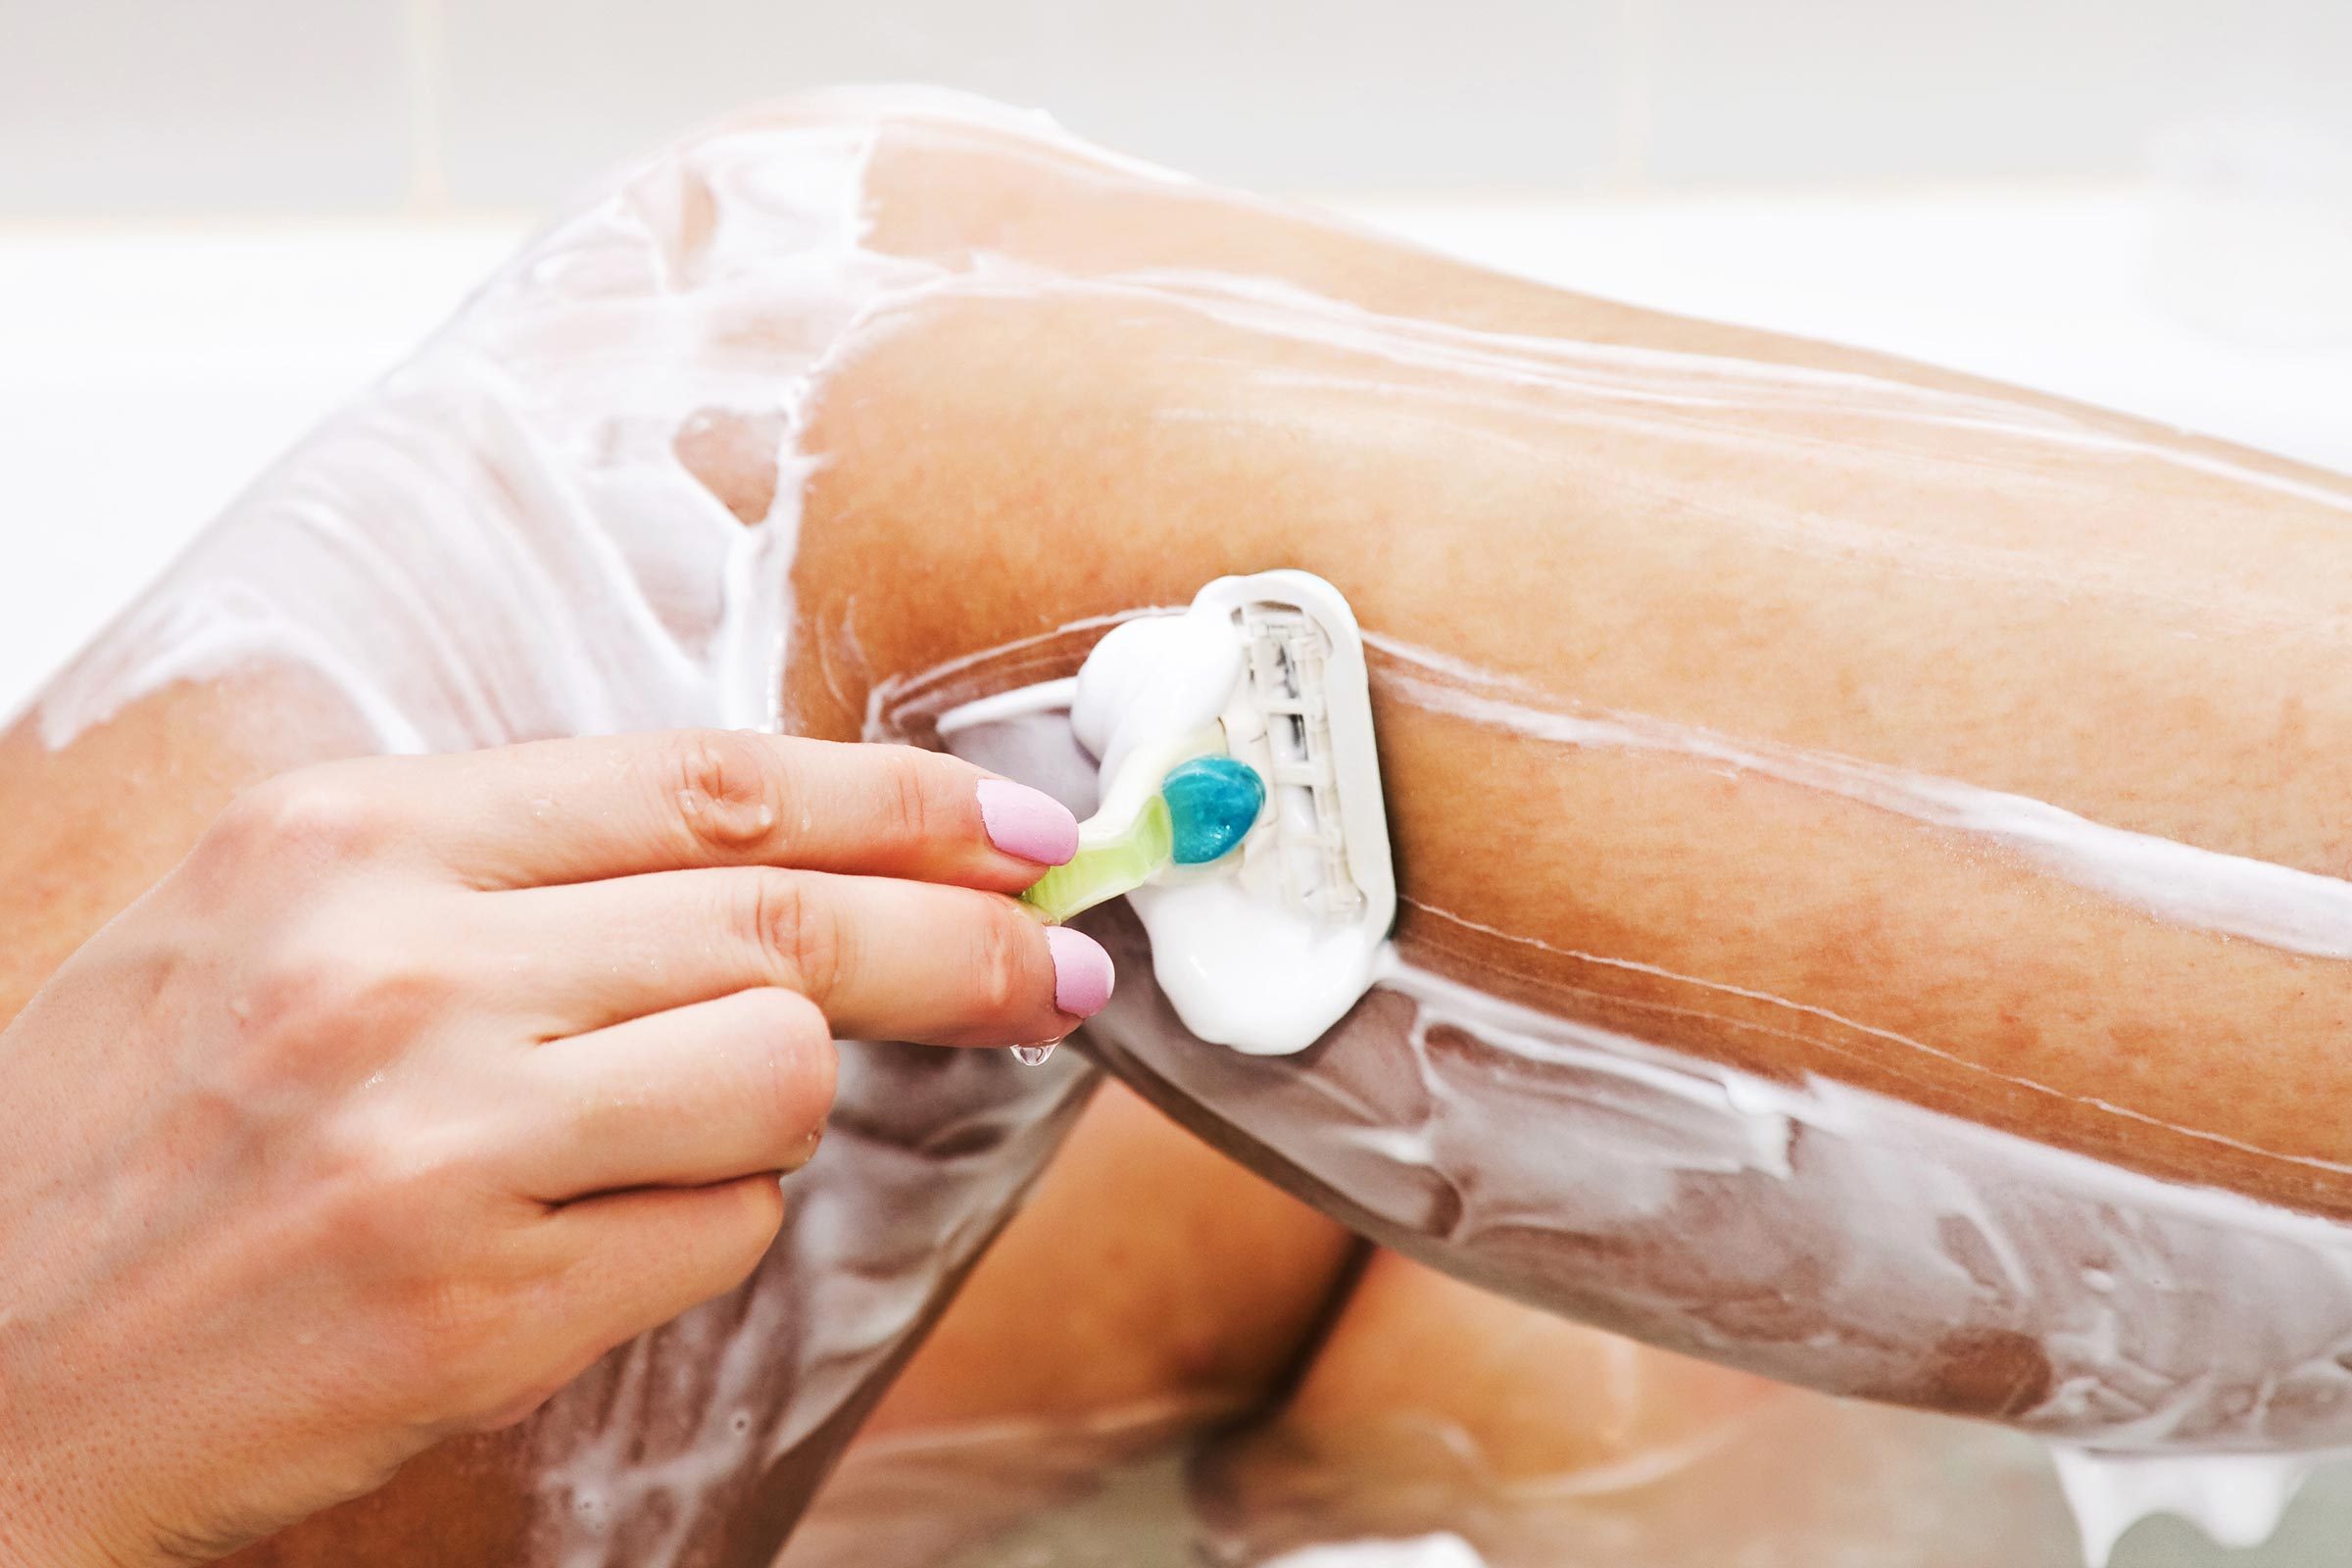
x=2080, y=611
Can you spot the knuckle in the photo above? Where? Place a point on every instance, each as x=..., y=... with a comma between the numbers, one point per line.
x=392, y=1188
x=730, y=1238
x=802, y=939
x=720, y=784
x=394, y=1165
x=316, y=999
x=797, y=1093
x=904, y=796
x=403, y=1200
x=773, y=1013
x=460, y=1327
x=763, y=1217
x=309, y=815
x=1003, y=965
x=458, y=1316
x=395, y=993
x=285, y=1027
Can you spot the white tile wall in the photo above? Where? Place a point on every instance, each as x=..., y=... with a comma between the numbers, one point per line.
x=1845, y=89
x=185, y=105
x=1274, y=94
x=139, y=105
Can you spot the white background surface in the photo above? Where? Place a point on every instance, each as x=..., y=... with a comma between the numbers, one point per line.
x=150, y=373
x=295, y=105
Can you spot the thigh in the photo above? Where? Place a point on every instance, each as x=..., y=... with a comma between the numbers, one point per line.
x=1149, y=1291
x=1435, y=1410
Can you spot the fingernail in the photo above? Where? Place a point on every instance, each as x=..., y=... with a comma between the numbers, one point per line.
x=1027, y=822
x=1082, y=975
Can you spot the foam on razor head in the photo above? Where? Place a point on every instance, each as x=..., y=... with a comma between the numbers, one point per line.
x=1265, y=948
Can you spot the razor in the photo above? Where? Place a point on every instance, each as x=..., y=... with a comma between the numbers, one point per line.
x=1241, y=810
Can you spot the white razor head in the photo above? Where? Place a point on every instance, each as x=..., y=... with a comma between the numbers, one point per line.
x=1268, y=947
x=1302, y=717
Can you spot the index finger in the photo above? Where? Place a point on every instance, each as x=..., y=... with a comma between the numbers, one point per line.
x=578, y=810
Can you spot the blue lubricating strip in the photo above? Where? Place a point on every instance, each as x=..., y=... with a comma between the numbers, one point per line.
x=1212, y=804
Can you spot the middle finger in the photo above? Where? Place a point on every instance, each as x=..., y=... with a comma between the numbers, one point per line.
x=882, y=959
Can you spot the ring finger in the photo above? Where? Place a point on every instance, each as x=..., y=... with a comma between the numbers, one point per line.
x=697, y=1094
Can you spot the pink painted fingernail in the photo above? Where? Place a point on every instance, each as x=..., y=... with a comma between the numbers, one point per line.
x=1027, y=822
x=1082, y=973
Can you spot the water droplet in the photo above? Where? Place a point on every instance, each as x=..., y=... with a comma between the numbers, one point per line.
x=1033, y=1055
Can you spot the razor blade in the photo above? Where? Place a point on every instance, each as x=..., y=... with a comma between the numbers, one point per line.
x=1302, y=718
x=1255, y=700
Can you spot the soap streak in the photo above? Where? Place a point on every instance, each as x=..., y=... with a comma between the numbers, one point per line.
x=1902, y=1042
x=2280, y=906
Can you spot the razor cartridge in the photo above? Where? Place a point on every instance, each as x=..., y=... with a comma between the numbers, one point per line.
x=1240, y=811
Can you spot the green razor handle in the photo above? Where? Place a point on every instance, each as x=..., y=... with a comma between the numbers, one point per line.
x=1202, y=811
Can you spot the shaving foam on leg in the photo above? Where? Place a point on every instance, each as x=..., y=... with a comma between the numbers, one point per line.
x=1240, y=809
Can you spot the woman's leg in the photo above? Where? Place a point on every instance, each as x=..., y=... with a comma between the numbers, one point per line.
x=1743, y=654
x=1719, y=674
x=1792, y=859
x=1436, y=1410
x=1149, y=1290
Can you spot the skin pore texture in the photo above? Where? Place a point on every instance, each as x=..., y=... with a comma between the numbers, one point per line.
x=1867, y=840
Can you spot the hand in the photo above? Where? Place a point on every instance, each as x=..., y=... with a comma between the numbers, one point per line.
x=421, y=1083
